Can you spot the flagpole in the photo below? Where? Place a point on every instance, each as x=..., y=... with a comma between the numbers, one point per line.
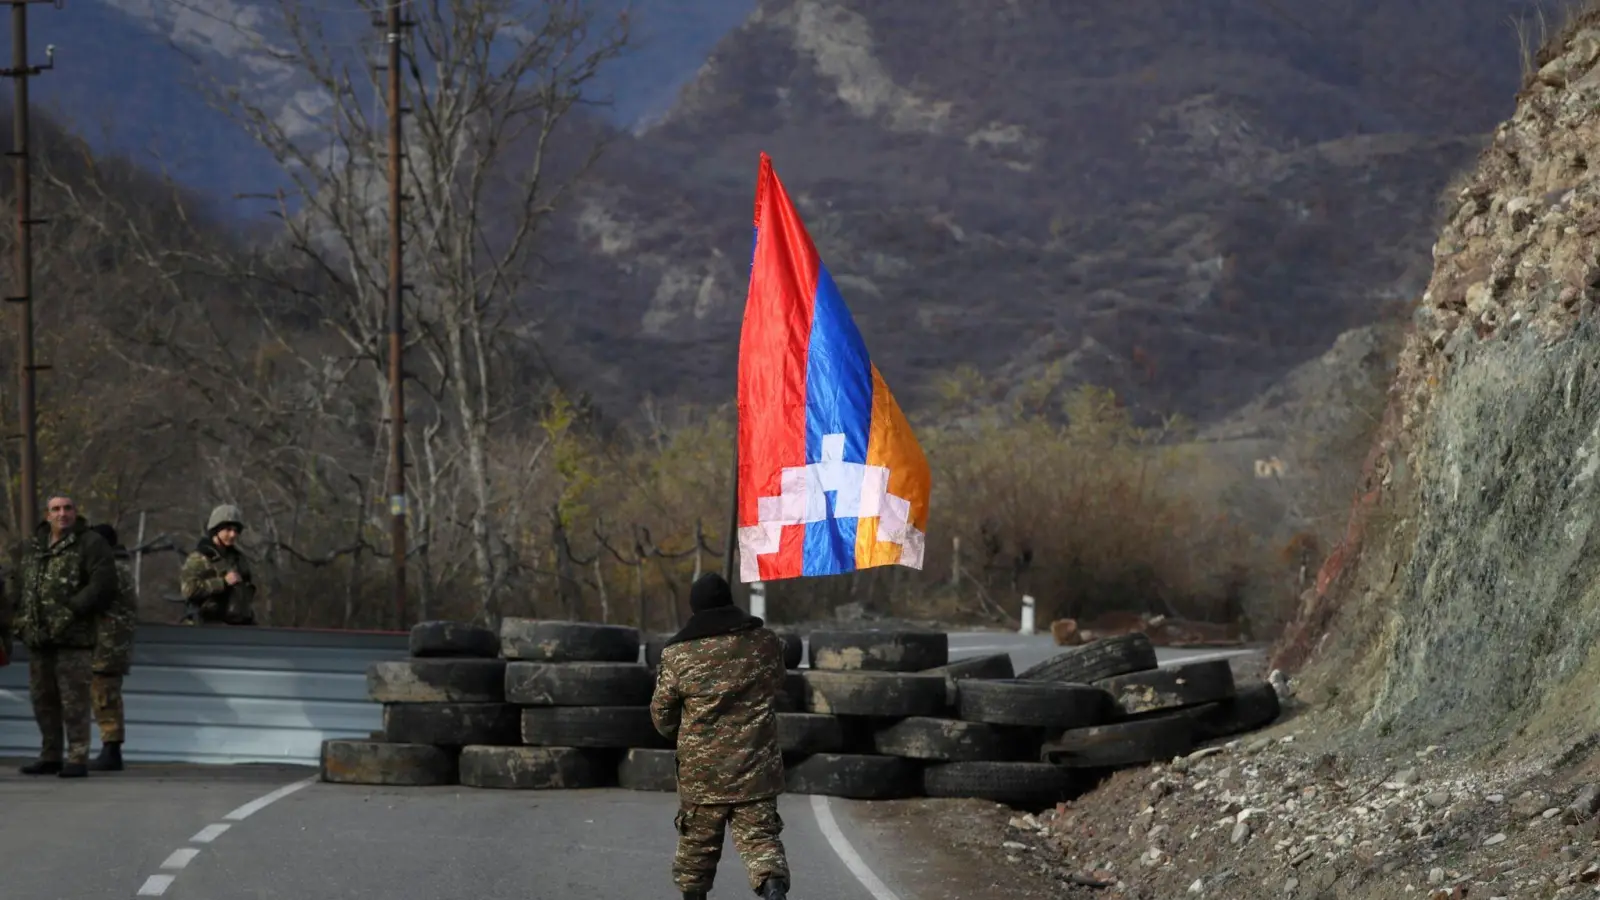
x=731, y=544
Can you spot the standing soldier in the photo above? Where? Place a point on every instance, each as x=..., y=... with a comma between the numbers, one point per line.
x=68, y=578
x=113, y=657
x=215, y=579
x=716, y=694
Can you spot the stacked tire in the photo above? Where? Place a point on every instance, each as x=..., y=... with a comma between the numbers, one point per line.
x=1157, y=712
x=583, y=701
x=878, y=714
x=900, y=705
x=447, y=696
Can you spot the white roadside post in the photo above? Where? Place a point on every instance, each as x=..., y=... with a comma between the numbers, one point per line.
x=1027, y=615
x=758, y=599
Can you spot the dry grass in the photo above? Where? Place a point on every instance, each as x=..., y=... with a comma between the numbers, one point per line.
x=1542, y=34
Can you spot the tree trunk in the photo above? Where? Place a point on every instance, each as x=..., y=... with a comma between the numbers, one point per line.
x=571, y=601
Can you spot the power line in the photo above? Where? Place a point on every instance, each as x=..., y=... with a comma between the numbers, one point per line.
x=19, y=73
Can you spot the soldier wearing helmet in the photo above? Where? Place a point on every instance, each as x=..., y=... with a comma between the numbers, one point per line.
x=216, y=580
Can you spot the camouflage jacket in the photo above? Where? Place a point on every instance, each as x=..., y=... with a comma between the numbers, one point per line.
x=716, y=694
x=113, y=645
x=63, y=588
x=203, y=578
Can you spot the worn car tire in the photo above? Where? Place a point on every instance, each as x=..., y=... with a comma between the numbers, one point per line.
x=996, y=666
x=608, y=727
x=1033, y=704
x=803, y=734
x=792, y=696
x=440, y=638
x=854, y=775
x=1254, y=705
x=428, y=680
x=1096, y=660
x=1171, y=687
x=653, y=645
x=536, y=768
x=878, y=650
x=578, y=684
x=450, y=724
x=648, y=770
x=1025, y=785
x=387, y=763
x=1132, y=743
x=794, y=649
x=884, y=694
x=547, y=640
x=952, y=740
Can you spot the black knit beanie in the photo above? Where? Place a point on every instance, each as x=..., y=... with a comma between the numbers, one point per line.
x=710, y=592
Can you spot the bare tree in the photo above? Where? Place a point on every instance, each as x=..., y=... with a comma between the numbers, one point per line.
x=491, y=86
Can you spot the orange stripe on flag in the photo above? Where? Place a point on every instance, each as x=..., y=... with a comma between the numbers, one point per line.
x=891, y=444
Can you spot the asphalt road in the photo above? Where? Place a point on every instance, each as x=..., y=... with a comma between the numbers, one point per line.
x=263, y=833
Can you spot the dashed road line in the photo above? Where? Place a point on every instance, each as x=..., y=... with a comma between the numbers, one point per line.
x=180, y=858
x=210, y=833
x=260, y=803
x=157, y=885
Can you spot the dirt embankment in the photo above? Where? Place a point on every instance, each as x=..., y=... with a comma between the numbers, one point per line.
x=1276, y=815
x=1464, y=606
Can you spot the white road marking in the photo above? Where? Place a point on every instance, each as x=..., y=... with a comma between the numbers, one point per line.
x=209, y=833
x=846, y=852
x=156, y=885
x=260, y=803
x=180, y=858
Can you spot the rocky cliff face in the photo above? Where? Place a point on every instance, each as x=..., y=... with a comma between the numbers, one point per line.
x=1467, y=596
x=1182, y=202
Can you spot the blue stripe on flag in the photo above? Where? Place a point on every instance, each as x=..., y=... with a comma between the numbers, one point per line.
x=838, y=401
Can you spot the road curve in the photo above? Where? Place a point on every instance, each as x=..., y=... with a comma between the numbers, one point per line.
x=103, y=836
x=357, y=843
x=260, y=832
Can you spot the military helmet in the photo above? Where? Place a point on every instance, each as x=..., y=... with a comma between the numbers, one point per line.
x=225, y=514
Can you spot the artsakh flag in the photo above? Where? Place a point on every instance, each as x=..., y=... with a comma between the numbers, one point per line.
x=831, y=479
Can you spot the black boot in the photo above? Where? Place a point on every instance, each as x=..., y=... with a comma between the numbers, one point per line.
x=775, y=888
x=74, y=770
x=694, y=895
x=42, y=767
x=110, y=758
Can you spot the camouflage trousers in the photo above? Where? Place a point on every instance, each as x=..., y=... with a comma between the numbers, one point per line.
x=58, y=685
x=106, y=694
x=755, y=825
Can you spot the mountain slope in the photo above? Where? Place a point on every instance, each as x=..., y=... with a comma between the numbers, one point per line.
x=130, y=74
x=1183, y=203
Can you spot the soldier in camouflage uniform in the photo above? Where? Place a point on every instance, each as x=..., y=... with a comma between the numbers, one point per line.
x=67, y=579
x=216, y=580
x=113, y=657
x=716, y=695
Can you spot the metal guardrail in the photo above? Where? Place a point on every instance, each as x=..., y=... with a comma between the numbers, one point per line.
x=217, y=694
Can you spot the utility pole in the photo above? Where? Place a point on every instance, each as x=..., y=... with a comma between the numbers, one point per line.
x=19, y=73
x=392, y=26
